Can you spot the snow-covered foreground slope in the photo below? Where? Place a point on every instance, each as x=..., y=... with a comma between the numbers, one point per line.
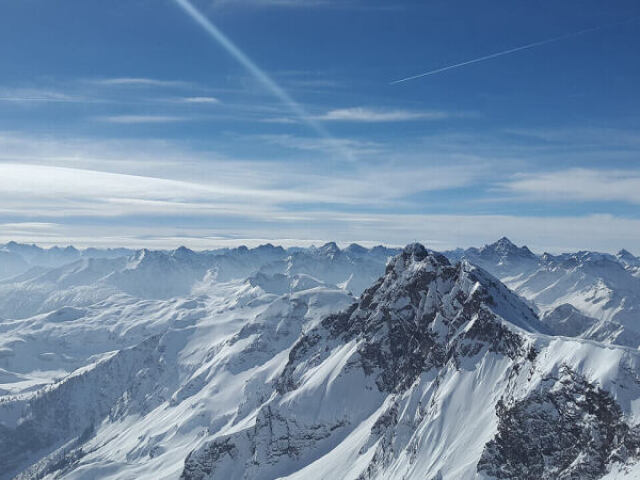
x=156, y=376
x=584, y=294
x=437, y=371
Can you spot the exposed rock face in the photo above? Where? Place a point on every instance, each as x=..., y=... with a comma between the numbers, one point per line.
x=567, y=428
x=71, y=408
x=422, y=313
x=199, y=465
x=274, y=437
x=436, y=372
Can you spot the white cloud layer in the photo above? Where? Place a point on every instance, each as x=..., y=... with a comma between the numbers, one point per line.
x=370, y=115
x=55, y=190
x=42, y=95
x=578, y=184
x=440, y=232
x=205, y=100
x=141, y=81
x=139, y=119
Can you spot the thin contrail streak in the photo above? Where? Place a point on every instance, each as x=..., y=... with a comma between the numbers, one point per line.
x=261, y=76
x=511, y=50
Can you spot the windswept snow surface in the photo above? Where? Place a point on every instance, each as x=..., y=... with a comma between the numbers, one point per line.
x=315, y=363
x=584, y=294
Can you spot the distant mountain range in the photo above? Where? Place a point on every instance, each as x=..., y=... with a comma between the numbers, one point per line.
x=323, y=363
x=583, y=294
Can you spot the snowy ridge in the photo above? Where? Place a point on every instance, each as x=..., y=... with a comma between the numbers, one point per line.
x=603, y=290
x=381, y=390
x=256, y=364
x=81, y=278
x=202, y=344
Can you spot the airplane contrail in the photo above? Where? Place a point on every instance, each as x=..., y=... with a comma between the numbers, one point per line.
x=510, y=51
x=261, y=76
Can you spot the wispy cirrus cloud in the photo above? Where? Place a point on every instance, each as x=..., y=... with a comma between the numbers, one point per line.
x=99, y=91
x=35, y=190
x=582, y=137
x=327, y=145
x=74, y=178
x=200, y=100
x=376, y=115
x=258, y=74
x=577, y=184
x=41, y=190
x=31, y=95
x=140, y=119
x=372, y=115
x=141, y=81
x=47, y=183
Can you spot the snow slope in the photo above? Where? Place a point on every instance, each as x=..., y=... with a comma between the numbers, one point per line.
x=136, y=363
x=426, y=377
x=435, y=371
x=603, y=290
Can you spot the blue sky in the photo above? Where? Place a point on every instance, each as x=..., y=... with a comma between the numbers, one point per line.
x=128, y=123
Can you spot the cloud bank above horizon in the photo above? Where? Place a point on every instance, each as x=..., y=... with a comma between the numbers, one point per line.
x=164, y=138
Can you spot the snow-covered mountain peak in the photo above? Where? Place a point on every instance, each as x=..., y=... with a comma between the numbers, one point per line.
x=416, y=250
x=546, y=257
x=329, y=249
x=252, y=364
x=603, y=288
x=146, y=258
x=141, y=257
x=585, y=256
x=383, y=388
x=422, y=313
x=270, y=248
x=503, y=244
x=594, y=262
x=427, y=281
x=415, y=257
x=505, y=248
x=627, y=258
x=183, y=252
x=356, y=250
x=502, y=258
x=35, y=255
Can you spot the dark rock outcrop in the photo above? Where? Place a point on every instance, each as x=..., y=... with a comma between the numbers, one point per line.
x=567, y=428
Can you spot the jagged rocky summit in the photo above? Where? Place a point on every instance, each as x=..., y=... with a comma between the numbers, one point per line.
x=438, y=371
